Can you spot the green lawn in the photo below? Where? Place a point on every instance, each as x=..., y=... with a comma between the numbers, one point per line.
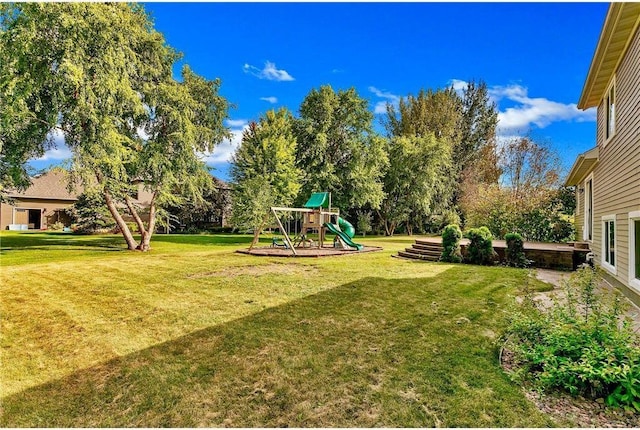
x=193, y=334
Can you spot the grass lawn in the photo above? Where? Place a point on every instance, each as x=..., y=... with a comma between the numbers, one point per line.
x=193, y=334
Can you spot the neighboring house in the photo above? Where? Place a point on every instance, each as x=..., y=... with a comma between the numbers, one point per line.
x=40, y=205
x=46, y=200
x=607, y=177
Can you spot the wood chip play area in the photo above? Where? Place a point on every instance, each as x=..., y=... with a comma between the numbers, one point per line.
x=315, y=218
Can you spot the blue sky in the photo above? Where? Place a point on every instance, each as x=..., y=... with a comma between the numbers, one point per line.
x=533, y=56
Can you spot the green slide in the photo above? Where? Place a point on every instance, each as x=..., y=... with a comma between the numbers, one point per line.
x=342, y=234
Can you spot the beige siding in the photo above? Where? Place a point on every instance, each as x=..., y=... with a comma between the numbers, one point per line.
x=617, y=174
x=48, y=208
x=579, y=217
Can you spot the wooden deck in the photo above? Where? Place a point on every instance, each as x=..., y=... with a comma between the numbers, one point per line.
x=563, y=256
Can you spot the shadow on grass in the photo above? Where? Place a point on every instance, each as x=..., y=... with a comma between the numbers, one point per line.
x=375, y=352
x=58, y=240
x=206, y=239
x=51, y=240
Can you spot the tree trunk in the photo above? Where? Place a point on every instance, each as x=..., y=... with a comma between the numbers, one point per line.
x=124, y=229
x=134, y=214
x=146, y=233
x=256, y=232
x=389, y=228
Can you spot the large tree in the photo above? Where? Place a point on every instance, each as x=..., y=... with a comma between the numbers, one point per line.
x=477, y=127
x=413, y=180
x=101, y=75
x=436, y=114
x=466, y=122
x=27, y=105
x=264, y=171
x=338, y=150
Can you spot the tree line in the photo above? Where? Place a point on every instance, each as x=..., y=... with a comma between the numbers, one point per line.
x=101, y=76
x=438, y=162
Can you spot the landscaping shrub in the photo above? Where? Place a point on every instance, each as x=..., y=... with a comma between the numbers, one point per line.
x=480, y=249
x=451, y=236
x=514, y=254
x=579, y=345
x=91, y=214
x=220, y=230
x=56, y=226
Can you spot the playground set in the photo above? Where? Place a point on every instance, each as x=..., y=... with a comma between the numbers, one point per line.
x=306, y=231
x=316, y=216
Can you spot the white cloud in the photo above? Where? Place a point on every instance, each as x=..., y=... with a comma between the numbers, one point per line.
x=59, y=153
x=381, y=106
x=225, y=150
x=236, y=123
x=458, y=85
x=526, y=111
x=269, y=72
x=59, y=150
x=536, y=111
x=271, y=99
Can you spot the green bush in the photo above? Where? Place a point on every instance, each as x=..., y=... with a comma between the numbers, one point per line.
x=220, y=230
x=579, y=345
x=451, y=236
x=56, y=226
x=91, y=214
x=514, y=254
x=480, y=249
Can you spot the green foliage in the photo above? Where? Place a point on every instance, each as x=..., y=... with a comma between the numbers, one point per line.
x=530, y=202
x=477, y=125
x=100, y=75
x=534, y=216
x=480, y=249
x=251, y=203
x=514, y=253
x=415, y=180
x=91, y=214
x=451, y=236
x=264, y=171
x=56, y=226
x=364, y=222
x=579, y=345
x=202, y=214
x=338, y=150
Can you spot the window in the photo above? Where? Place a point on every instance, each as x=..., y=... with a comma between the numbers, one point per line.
x=634, y=249
x=588, y=210
x=610, y=105
x=609, y=242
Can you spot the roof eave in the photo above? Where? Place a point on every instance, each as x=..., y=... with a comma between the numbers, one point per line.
x=584, y=164
x=620, y=25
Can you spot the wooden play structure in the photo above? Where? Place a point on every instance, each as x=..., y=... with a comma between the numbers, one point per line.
x=317, y=216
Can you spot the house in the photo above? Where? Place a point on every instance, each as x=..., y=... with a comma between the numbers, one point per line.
x=607, y=177
x=47, y=199
x=42, y=204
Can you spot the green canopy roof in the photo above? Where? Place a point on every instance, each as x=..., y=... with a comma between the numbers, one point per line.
x=318, y=200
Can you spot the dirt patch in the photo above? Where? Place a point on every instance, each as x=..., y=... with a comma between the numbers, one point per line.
x=255, y=270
